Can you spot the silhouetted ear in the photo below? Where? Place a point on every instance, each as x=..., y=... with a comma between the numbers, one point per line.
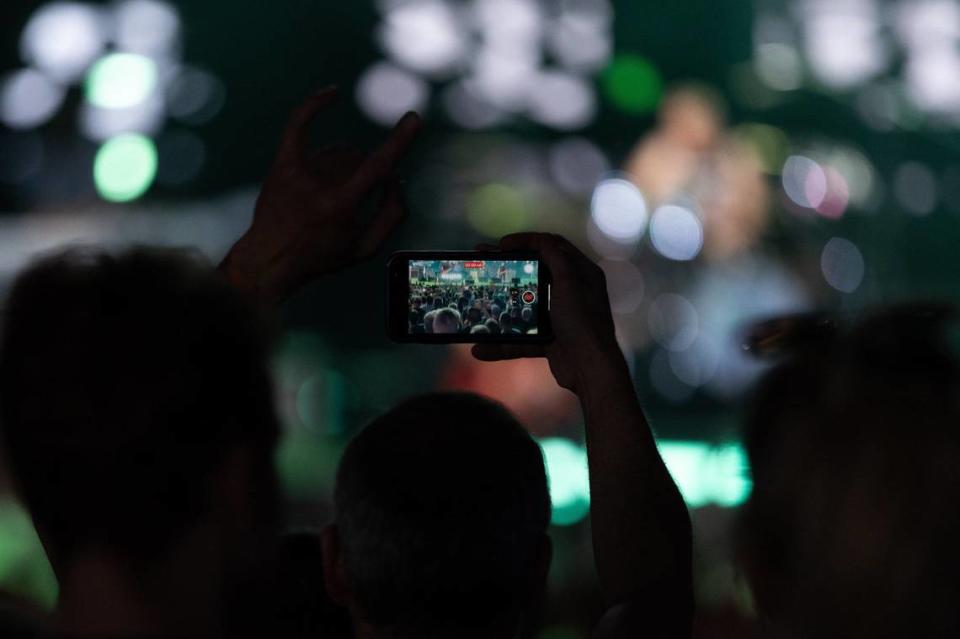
x=334, y=570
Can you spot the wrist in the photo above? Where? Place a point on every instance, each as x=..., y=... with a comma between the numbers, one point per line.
x=602, y=373
x=249, y=270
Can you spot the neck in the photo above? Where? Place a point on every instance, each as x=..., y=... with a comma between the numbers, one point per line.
x=103, y=594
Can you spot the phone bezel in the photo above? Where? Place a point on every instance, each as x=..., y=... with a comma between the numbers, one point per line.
x=398, y=287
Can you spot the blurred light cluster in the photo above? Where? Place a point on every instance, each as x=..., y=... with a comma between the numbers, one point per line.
x=492, y=60
x=127, y=59
x=708, y=474
x=898, y=57
x=692, y=185
x=705, y=473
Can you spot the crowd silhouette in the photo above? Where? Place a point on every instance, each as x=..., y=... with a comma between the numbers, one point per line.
x=138, y=418
x=485, y=309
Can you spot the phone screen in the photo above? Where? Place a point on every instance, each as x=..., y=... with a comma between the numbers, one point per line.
x=473, y=298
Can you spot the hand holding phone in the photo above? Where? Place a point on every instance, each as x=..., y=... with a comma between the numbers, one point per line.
x=584, y=352
x=443, y=297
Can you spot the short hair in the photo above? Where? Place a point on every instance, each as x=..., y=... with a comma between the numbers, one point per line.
x=526, y=313
x=124, y=381
x=480, y=329
x=447, y=320
x=428, y=320
x=854, y=449
x=492, y=325
x=442, y=521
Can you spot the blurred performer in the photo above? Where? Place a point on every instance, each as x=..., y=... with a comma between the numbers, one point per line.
x=691, y=165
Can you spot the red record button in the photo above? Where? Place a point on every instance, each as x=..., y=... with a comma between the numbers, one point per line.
x=529, y=297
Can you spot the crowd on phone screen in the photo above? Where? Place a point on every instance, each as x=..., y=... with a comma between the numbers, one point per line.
x=474, y=309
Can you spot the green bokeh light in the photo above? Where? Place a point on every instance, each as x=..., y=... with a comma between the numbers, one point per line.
x=633, y=84
x=24, y=569
x=497, y=210
x=770, y=143
x=568, y=479
x=121, y=80
x=708, y=474
x=125, y=167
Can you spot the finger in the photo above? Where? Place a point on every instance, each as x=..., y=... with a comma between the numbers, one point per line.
x=497, y=352
x=379, y=166
x=294, y=140
x=392, y=211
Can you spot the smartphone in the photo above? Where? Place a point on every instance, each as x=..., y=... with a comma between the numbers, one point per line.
x=440, y=297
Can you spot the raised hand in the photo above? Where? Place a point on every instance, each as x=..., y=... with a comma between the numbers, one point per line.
x=580, y=313
x=308, y=219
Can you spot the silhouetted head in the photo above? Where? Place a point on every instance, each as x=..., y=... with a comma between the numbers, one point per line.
x=136, y=405
x=854, y=441
x=428, y=320
x=474, y=316
x=447, y=320
x=440, y=523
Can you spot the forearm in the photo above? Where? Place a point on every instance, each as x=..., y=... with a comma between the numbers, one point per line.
x=258, y=277
x=641, y=528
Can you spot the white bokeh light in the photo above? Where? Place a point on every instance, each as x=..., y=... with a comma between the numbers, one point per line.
x=509, y=25
x=195, y=95
x=468, y=109
x=426, y=36
x=150, y=27
x=577, y=164
x=28, y=99
x=580, y=38
x=100, y=124
x=673, y=322
x=676, y=232
x=561, y=100
x=619, y=210
x=804, y=181
x=385, y=92
x=502, y=78
x=932, y=78
x=842, y=265
x=920, y=24
x=63, y=39
x=778, y=66
x=843, y=41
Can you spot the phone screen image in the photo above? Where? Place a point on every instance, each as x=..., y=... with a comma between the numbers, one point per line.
x=442, y=297
x=474, y=297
